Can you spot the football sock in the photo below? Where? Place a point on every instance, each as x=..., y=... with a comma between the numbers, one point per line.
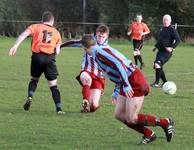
x=86, y=92
x=32, y=87
x=56, y=96
x=149, y=120
x=158, y=75
x=136, y=58
x=140, y=59
x=163, y=77
x=139, y=128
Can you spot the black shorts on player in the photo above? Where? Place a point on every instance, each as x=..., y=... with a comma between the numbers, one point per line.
x=162, y=58
x=44, y=63
x=137, y=44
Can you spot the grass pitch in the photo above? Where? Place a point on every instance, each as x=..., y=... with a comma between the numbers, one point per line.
x=42, y=129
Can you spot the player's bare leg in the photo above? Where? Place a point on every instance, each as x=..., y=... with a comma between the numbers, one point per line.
x=133, y=107
x=120, y=108
x=95, y=95
x=86, y=81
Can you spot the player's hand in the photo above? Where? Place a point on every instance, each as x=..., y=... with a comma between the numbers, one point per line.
x=169, y=49
x=129, y=93
x=154, y=49
x=128, y=33
x=142, y=34
x=12, y=51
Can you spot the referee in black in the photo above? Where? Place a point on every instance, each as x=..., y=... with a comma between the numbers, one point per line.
x=167, y=41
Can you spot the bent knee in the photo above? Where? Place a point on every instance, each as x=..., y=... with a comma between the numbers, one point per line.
x=136, y=52
x=85, y=78
x=157, y=65
x=132, y=119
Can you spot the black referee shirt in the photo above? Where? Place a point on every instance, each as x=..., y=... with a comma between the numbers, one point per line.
x=168, y=37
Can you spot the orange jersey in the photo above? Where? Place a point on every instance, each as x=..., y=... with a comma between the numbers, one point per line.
x=137, y=29
x=44, y=38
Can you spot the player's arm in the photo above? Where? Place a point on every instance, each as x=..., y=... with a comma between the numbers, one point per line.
x=176, y=38
x=19, y=40
x=71, y=43
x=129, y=30
x=122, y=72
x=176, y=41
x=58, y=47
x=115, y=94
x=146, y=30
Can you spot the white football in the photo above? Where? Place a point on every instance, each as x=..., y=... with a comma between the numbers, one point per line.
x=169, y=87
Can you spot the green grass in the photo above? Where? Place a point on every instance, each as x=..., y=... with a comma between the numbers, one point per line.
x=41, y=128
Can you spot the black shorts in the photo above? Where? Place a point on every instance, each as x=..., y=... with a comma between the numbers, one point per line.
x=137, y=44
x=162, y=57
x=43, y=63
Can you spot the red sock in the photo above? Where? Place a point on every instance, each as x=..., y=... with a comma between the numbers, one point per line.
x=139, y=128
x=163, y=122
x=147, y=132
x=86, y=92
x=149, y=120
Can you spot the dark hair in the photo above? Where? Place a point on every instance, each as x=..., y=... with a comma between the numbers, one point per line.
x=88, y=41
x=102, y=29
x=47, y=16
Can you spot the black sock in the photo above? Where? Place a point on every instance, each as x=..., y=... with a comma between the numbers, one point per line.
x=140, y=59
x=136, y=58
x=163, y=77
x=56, y=97
x=32, y=87
x=158, y=75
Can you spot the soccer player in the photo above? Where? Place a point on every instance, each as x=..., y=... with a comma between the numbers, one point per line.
x=91, y=77
x=46, y=42
x=138, y=30
x=131, y=87
x=167, y=41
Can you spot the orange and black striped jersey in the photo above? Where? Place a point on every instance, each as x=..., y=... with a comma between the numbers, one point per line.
x=137, y=29
x=44, y=38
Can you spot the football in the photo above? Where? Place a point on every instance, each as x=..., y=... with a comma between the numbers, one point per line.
x=169, y=87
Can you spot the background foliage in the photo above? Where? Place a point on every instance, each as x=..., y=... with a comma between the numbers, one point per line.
x=116, y=13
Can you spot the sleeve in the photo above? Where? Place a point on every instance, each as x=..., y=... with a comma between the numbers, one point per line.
x=31, y=28
x=176, y=38
x=59, y=38
x=116, y=90
x=120, y=67
x=71, y=43
x=145, y=28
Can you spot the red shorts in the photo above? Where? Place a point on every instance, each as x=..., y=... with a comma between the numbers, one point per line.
x=97, y=83
x=138, y=83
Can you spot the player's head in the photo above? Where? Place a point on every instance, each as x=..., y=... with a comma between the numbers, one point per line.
x=87, y=42
x=102, y=33
x=167, y=20
x=138, y=18
x=48, y=17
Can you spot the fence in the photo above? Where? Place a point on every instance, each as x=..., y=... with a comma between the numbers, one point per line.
x=13, y=28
